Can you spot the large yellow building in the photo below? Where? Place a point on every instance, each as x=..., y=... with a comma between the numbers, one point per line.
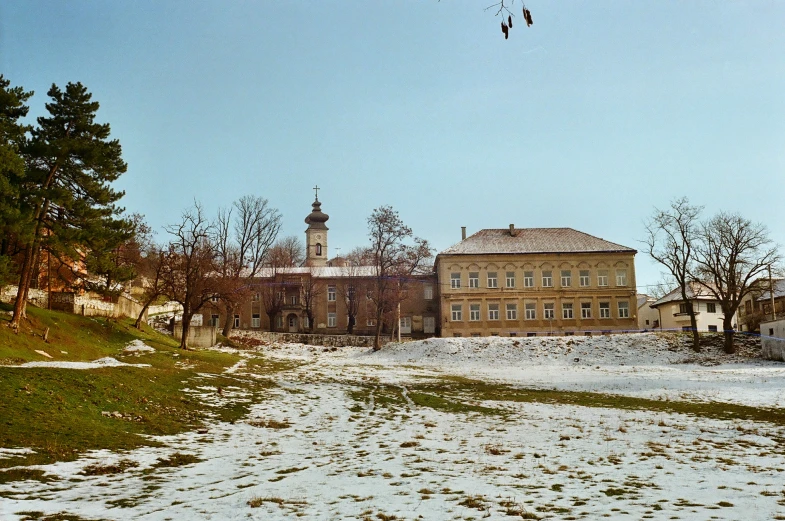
x=536, y=281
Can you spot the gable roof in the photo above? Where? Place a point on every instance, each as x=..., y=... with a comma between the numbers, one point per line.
x=779, y=291
x=694, y=292
x=533, y=240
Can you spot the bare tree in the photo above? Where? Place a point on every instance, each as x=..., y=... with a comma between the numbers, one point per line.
x=731, y=254
x=189, y=273
x=350, y=286
x=394, y=261
x=671, y=240
x=243, y=236
x=312, y=289
x=151, y=269
x=287, y=251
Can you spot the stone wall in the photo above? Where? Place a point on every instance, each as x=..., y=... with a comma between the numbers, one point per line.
x=37, y=297
x=198, y=336
x=772, y=339
x=310, y=339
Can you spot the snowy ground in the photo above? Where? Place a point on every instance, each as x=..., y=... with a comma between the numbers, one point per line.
x=342, y=438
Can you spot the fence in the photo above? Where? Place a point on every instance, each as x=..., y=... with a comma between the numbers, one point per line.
x=311, y=338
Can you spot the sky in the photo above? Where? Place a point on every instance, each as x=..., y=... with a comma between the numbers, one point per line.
x=589, y=119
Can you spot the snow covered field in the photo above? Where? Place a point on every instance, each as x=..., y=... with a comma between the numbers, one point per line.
x=400, y=434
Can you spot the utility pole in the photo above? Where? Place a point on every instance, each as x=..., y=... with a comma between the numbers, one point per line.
x=771, y=294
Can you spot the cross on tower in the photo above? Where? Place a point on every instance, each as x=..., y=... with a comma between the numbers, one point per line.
x=316, y=189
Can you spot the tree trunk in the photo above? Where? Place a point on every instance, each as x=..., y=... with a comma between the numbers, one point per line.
x=377, y=345
x=138, y=323
x=186, y=327
x=350, y=326
x=21, y=291
x=727, y=326
x=309, y=314
x=694, y=326
x=271, y=318
x=229, y=322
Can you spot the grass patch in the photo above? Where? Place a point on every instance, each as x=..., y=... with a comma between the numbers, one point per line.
x=23, y=474
x=452, y=391
x=177, y=459
x=58, y=412
x=96, y=469
x=40, y=516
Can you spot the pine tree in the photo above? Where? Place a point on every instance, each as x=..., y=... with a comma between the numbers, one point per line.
x=13, y=135
x=70, y=164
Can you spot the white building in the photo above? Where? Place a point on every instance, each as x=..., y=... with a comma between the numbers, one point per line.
x=672, y=310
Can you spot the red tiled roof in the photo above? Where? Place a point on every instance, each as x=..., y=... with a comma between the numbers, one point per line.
x=533, y=240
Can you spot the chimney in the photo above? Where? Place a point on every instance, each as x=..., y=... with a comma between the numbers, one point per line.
x=512, y=230
x=463, y=233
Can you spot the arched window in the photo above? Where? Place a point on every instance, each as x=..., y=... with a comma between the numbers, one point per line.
x=318, y=248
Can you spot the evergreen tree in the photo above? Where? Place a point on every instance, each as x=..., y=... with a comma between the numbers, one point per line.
x=13, y=135
x=70, y=164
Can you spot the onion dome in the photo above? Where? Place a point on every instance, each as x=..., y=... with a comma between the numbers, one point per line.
x=317, y=218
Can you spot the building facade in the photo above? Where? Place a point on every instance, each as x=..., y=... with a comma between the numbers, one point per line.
x=536, y=281
x=329, y=297
x=672, y=310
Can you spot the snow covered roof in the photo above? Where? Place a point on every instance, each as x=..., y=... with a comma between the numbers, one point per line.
x=533, y=240
x=779, y=291
x=325, y=272
x=694, y=292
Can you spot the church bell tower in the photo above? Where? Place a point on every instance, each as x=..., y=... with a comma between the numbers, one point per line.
x=316, y=234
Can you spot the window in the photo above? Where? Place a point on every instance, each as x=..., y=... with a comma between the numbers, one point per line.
x=493, y=311
x=585, y=309
x=584, y=278
x=621, y=277
x=510, y=279
x=330, y=293
x=531, y=311
x=455, y=280
x=214, y=298
x=528, y=279
x=279, y=322
x=566, y=311
x=456, y=335
x=711, y=307
x=428, y=292
x=318, y=249
x=605, y=310
x=475, y=334
x=214, y=320
x=293, y=300
x=256, y=320
x=474, y=312
x=548, y=311
x=429, y=324
x=566, y=278
x=512, y=311
x=406, y=324
x=369, y=294
x=513, y=333
x=236, y=321
x=713, y=329
x=255, y=297
x=547, y=279
x=332, y=320
x=602, y=277
x=531, y=334
x=683, y=307
x=624, y=310
x=474, y=279
x=370, y=322
x=493, y=281
x=457, y=314
x=306, y=323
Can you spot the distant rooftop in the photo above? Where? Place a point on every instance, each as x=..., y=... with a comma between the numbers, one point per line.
x=534, y=240
x=779, y=291
x=694, y=292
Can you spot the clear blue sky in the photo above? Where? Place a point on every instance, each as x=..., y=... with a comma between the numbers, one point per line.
x=588, y=119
